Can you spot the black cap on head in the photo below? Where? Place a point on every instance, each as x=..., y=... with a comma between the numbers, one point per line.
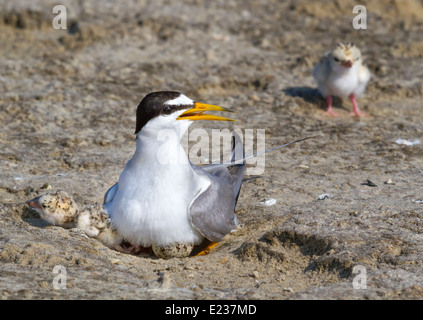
x=153, y=105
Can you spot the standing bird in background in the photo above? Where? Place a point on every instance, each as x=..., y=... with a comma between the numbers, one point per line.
x=342, y=73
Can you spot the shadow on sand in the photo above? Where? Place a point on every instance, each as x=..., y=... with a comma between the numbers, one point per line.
x=313, y=96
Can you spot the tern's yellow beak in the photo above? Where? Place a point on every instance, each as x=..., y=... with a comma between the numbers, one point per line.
x=196, y=113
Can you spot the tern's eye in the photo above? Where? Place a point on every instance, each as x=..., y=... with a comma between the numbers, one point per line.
x=336, y=59
x=167, y=110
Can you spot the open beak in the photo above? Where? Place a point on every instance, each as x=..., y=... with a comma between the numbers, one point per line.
x=35, y=204
x=197, y=113
x=347, y=63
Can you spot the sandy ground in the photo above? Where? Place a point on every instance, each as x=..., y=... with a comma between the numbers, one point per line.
x=67, y=117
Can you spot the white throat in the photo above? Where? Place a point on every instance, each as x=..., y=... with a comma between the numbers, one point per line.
x=160, y=142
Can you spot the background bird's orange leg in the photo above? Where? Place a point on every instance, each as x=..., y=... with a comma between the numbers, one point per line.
x=356, y=111
x=330, y=111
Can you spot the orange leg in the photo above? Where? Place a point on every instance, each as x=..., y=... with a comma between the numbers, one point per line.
x=330, y=111
x=356, y=111
x=207, y=249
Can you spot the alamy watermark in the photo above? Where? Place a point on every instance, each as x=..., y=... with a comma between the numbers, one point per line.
x=360, y=280
x=214, y=148
x=360, y=20
x=59, y=21
x=60, y=280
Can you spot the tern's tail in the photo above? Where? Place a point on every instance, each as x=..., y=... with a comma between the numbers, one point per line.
x=237, y=170
x=237, y=160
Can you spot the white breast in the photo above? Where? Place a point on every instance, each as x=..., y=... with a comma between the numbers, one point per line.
x=152, y=202
x=342, y=84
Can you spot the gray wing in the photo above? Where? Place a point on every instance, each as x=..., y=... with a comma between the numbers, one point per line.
x=110, y=194
x=213, y=212
x=321, y=70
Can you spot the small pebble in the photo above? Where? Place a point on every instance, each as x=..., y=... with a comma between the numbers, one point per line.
x=408, y=142
x=46, y=186
x=303, y=166
x=371, y=183
x=268, y=202
x=324, y=196
x=255, y=97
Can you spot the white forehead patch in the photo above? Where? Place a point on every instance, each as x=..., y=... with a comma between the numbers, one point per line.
x=180, y=101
